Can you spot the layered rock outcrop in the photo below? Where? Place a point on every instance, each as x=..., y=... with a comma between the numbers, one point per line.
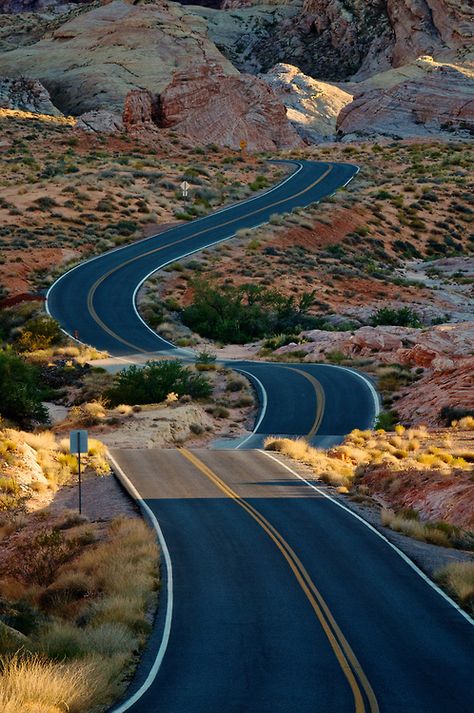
x=207, y=106
x=18, y=6
x=311, y=106
x=439, y=101
x=92, y=61
x=27, y=95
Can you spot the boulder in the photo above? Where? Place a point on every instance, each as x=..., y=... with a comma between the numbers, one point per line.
x=209, y=107
x=311, y=106
x=26, y=95
x=140, y=108
x=100, y=121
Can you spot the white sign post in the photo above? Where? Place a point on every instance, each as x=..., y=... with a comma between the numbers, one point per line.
x=78, y=443
x=185, y=188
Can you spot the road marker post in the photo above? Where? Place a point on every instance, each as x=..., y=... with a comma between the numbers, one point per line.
x=185, y=188
x=78, y=443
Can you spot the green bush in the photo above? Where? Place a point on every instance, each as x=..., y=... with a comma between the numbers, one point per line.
x=231, y=314
x=404, y=317
x=20, y=392
x=153, y=382
x=39, y=333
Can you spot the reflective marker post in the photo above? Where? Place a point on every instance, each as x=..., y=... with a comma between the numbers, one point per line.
x=78, y=443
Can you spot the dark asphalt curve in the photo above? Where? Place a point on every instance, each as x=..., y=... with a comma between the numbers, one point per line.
x=285, y=603
x=96, y=299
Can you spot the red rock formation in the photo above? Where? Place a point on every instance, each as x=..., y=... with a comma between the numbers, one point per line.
x=434, y=494
x=210, y=107
x=453, y=387
x=140, y=108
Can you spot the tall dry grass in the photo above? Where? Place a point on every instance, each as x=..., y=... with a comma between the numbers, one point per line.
x=458, y=578
x=401, y=450
x=92, y=620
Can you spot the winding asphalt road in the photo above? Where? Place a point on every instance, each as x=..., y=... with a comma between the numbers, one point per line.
x=96, y=302
x=282, y=601
x=276, y=599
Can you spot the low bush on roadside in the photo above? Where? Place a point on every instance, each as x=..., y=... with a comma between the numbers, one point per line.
x=436, y=533
x=403, y=317
x=152, y=383
x=458, y=578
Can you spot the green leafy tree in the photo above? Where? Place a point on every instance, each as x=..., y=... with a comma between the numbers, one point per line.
x=153, y=382
x=20, y=392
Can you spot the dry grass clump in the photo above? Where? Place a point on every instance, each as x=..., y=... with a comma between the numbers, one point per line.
x=331, y=470
x=402, y=450
x=458, y=578
x=32, y=684
x=434, y=533
x=85, y=622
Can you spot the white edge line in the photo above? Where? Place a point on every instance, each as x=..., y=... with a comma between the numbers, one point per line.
x=263, y=410
x=404, y=557
x=169, y=598
x=208, y=245
x=152, y=237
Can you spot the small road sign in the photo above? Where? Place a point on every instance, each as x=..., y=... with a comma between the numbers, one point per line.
x=78, y=443
x=185, y=188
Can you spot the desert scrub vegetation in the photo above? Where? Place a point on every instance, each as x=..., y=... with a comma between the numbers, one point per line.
x=424, y=478
x=240, y=314
x=458, y=579
x=153, y=382
x=82, y=606
x=65, y=190
x=407, y=521
x=36, y=464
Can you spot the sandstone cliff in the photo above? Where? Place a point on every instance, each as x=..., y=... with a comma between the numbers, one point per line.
x=93, y=61
x=208, y=106
x=434, y=101
x=312, y=106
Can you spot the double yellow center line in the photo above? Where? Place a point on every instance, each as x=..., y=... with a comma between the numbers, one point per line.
x=96, y=285
x=345, y=656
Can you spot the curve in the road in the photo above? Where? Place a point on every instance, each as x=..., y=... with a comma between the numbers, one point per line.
x=95, y=301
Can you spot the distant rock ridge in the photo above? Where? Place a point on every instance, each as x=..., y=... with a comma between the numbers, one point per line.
x=440, y=101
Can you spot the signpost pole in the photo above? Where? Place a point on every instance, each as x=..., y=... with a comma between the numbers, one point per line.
x=79, y=471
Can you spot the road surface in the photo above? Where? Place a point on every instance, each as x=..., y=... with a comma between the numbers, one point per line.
x=285, y=603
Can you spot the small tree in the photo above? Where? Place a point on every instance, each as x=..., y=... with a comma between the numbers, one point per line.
x=20, y=392
x=153, y=382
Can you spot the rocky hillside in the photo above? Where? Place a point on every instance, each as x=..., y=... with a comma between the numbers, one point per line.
x=198, y=66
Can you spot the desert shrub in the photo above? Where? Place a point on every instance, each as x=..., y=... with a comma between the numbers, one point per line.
x=403, y=317
x=40, y=332
x=38, y=559
x=196, y=428
x=20, y=391
x=386, y=420
x=241, y=314
x=458, y=578
x=153, y=382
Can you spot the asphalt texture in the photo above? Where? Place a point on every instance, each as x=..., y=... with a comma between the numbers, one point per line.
x=244, y=635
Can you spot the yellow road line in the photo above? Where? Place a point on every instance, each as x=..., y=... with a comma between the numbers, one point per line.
x=320, y=399
x=96, y=285
x=341, y=648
